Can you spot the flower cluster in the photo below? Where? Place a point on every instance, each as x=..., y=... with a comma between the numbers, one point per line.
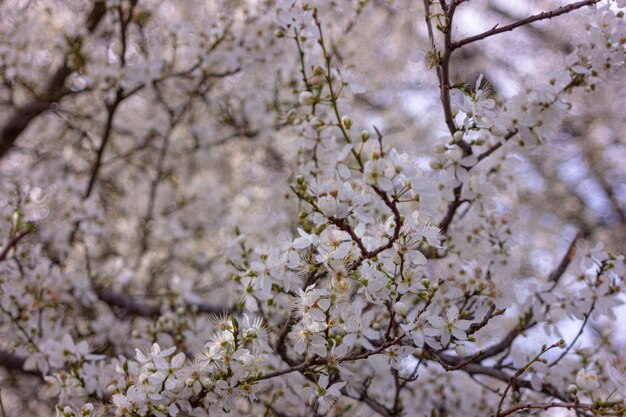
x=393, y=271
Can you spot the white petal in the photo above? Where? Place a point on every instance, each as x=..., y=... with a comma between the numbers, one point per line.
x=178, y=360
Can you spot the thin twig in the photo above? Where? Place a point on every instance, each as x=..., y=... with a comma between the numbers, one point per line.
x=541, y=16
x=12, y=243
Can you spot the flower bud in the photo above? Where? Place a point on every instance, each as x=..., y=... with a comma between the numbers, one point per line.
x=454, y=109
x=572, y=389
x=87, y=410
x=458, y=136
x=497, y=131
x=438, y=149
x=461, y=350
x=400, y=308
x=347, y=122
x=365, y=135
x=435, y=164
x=307, y=98
x=300, y=179
x=317, y=123
x=279, y=34
x=317, y=70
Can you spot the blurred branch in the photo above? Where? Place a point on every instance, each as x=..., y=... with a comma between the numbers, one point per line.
x=13, y=362
x=556, y=275
x=477, y=369
x=13, y=241
x=53, y=92
x=137, y=307
x=525, y=323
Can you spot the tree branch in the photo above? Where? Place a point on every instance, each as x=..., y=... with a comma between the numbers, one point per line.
x=136, y=307
x=13, y=362
x=541, y=16
x=53, y=92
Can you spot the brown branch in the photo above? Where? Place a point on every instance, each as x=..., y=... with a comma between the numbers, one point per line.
x=371, y=402
x=393, y=206
x=120, y=96
x=580, y=332
x=321, y=361
x=478, y=369
x=541, y=16
x=12, y=243
x=497, y=146
x=556, y=275
x=443, y=81
x=491, y=313
x=454, y=205
x=141, y=308
x=527, y=322
x=443, y=68
x=53, y=92
x=13, y=362
x=112, y=107
x=546, y=406
x=520, y=371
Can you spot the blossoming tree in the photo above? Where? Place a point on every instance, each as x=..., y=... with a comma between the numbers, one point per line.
x=300, y=208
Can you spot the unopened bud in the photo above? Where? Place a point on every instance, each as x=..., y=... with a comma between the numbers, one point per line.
x=461, y=350
x=87, y=410
x=400, y=308
x=458, y=136
x=300, y=179
x=307, y=98
x=454, y=109
x=365, y=135
x=317, y=122
x=435, y=164
x=438, y=149
x=347, y=122
x=279, y=34
x=572, y=389
x=497, y=131
x=317, y=70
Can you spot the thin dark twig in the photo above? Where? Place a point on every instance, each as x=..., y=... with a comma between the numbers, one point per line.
x=12, y=243
x=540, y=16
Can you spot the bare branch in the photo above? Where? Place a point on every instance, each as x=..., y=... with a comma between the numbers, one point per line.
x=541, y=16
x=136, y=307
x=13, y=362
x=546, y=406
x=53, y=92
x=12, y=243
